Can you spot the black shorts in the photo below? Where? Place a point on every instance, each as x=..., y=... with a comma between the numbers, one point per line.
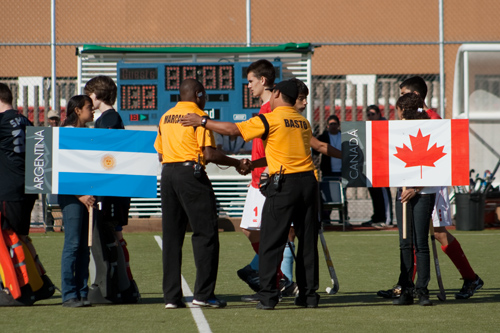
x=115, y=210
x=16, y=215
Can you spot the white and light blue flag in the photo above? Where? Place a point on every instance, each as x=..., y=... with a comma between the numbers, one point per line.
x=84, y=161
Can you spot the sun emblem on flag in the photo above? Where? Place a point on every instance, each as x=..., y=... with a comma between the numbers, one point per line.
x=108, y=162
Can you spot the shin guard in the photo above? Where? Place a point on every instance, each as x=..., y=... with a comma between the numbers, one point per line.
x=110, y=281
x=15, y=248
x=8, y=272
x=123, y=244
x=34, y=278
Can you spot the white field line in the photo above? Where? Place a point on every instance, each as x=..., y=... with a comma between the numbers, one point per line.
x=396, y=235
x=196, y=312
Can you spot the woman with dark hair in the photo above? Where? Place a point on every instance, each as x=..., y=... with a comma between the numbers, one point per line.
x=420, y=203
x=75, y=254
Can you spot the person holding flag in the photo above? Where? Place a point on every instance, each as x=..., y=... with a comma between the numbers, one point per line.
x=420, y=202
x=441, y=217
x=75, y=208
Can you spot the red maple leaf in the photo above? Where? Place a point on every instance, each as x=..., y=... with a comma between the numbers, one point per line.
x=420, y=155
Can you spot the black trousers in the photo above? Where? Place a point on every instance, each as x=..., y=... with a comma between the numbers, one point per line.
x=419, y=212
x=296, y=202
x=184, y=199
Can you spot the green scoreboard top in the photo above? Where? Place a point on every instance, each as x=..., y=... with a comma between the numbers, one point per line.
x=147, y=90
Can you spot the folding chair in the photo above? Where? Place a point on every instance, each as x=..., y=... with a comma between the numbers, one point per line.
x=332, y=197
x=52, y=213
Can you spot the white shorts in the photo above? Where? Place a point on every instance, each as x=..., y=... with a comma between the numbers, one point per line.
x=252, y=212
x=441, y=215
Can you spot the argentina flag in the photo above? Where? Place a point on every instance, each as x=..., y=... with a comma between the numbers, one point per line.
x=81, y=161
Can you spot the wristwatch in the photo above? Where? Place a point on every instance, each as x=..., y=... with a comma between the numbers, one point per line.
x=204, y=120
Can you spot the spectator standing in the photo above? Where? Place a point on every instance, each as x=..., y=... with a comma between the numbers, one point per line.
x=381, y=196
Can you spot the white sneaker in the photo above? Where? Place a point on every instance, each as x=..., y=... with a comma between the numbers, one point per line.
x=174, y=305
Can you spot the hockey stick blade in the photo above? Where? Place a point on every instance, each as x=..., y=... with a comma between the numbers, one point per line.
x=442, y=294
x=331, y=269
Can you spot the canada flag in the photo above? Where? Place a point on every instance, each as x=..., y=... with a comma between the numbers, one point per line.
x=406, y=153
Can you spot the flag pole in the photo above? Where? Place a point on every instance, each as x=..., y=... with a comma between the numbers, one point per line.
x=91, y=225
x=404, y=216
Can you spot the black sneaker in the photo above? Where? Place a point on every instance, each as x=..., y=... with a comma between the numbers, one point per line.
x=395, y=292
x=469, y=288
x=250, y=298
x=292, y=290
x=212, y=302
x=72, y=303
x=406, y=298
x=301, y=302
x=85, y=301
x=250, y=277
x=424, y=300
x=261, y=306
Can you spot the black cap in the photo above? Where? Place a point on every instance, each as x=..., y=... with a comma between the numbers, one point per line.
x=288, y=88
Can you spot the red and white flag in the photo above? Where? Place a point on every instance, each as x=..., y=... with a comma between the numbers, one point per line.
x=412, y=152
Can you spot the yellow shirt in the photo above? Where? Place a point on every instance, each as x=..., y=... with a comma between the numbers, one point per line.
x=288, y=142
x=177, y=143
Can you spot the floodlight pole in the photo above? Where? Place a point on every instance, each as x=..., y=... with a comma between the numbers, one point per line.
x=53, y=52
x=249, y=23
x=441, y=60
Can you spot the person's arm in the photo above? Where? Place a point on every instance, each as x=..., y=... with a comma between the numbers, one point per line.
x=221, y=127
x=325, y=148
x=261, y=162
x=212, y=155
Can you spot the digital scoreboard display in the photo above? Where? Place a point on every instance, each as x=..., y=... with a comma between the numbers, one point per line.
x=147, y=91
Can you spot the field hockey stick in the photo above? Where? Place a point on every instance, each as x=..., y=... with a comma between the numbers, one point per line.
x=404, y=216
x=329, y=263
x=291, y=250
x=442, y=294
x=91, y=225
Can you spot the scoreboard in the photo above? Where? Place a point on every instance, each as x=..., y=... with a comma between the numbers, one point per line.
x=147, y=90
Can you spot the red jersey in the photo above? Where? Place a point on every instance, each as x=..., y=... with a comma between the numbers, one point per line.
x=258, y=150
x=433, y=114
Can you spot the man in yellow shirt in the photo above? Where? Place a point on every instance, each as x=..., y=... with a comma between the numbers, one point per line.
x=187, y=195
x=291, y=194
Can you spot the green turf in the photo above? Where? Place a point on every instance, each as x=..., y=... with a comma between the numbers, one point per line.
x=365, y=261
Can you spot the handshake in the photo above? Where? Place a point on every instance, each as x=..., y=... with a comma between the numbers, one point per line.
x=244, y=167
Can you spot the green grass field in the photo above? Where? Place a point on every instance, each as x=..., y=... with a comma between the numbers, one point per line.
x=365, y=261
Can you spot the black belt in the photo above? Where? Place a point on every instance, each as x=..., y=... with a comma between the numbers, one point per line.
x=187, y=163
x=298, y=174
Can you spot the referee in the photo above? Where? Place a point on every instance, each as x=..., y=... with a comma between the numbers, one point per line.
x=187, y=195
x=291, y=195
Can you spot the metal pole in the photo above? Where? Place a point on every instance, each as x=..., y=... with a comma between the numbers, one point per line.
x=53, y=50
x=441, y=59
x=466, y=84
x=249, y=23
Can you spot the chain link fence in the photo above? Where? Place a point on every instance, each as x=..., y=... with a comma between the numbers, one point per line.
x=364, y=49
